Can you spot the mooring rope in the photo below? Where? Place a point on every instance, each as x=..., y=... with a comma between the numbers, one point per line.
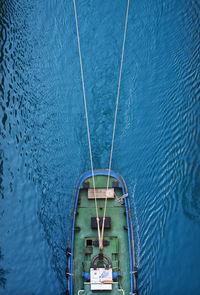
x=115, y=120
x=100, y=234
x=87, y=123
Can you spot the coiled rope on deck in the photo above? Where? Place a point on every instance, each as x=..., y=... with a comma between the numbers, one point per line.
x=87, y=123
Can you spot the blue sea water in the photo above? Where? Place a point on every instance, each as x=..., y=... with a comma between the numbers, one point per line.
x=43, y=138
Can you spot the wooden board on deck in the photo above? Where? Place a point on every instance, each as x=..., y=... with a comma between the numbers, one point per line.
x=101, y=193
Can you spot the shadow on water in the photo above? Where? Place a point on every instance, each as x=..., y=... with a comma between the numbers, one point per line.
x=3, y=273
x=191, y=202
x=21, y=131
x=1, y=175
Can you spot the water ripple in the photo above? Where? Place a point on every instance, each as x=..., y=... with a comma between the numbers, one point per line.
x=44, y=145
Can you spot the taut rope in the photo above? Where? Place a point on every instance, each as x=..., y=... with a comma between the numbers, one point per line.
x=86, y=116
x=116, y=109
x=100, y=234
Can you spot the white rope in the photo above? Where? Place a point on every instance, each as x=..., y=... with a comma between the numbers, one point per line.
x=86, y=116
x=116, y=109
x=120, y=199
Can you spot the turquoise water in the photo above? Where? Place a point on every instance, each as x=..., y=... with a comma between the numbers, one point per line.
x=43, y=139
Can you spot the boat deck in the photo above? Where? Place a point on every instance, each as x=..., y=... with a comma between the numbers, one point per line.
x=117, y=237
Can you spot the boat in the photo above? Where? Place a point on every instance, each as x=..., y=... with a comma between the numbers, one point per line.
x=100, y=256
x=108, y=268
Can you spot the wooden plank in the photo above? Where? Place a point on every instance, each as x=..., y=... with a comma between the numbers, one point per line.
x=101, y=193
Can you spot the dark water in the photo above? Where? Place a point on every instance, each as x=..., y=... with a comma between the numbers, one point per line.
x=44, y=145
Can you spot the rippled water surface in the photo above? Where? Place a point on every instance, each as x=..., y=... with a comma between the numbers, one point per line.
x=43, y=139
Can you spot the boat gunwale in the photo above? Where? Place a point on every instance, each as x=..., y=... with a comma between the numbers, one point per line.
x=117, y=176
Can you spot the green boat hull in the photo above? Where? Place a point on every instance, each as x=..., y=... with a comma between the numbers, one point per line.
x=117, y=257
